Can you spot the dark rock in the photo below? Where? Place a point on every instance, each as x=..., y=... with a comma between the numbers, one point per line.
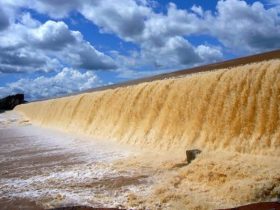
x=191, y=154
x=9, y=102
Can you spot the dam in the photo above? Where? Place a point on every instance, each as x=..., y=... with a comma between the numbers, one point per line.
x=230, y=112
x=234, y=109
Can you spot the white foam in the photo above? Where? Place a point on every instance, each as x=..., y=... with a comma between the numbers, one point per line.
x=80, y=175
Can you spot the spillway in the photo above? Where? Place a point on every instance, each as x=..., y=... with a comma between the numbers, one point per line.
x=233, y=109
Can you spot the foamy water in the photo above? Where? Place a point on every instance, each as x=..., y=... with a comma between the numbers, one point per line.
x=232, y=115
x=57, y=169
x=234, y=109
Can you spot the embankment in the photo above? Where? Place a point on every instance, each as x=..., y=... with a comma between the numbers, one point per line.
x=234, y=109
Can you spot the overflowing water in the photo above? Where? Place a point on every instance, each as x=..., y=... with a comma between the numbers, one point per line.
x=232, y=115
x=233, y=109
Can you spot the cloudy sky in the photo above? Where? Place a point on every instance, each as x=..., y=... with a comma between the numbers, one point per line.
x=54, y=47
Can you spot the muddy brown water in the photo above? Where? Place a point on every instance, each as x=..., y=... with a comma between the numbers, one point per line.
x=41, y=168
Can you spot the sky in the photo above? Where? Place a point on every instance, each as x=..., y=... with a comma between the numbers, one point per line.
x=50, y=48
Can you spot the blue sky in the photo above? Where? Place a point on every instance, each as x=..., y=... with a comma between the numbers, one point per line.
x=50, y=48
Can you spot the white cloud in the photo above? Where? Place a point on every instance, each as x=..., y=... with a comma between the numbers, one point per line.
x=163, y=38
x=209, y=54
x=243, y=27
x=159, y=36
x=124, y=18
x=27, y=45
x=175, y=51
x=240, y=26
x=65, y=82
x=136, y=21
x=28, y=21
x=52, y=35
x=198, y=10
x=53, y=8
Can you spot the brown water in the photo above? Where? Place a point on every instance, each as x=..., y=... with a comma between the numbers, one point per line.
x=45, y=168
x=232, y=115
x=230, y=109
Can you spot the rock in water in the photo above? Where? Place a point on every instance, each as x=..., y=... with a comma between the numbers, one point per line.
x=9, y=102
x=191, y=154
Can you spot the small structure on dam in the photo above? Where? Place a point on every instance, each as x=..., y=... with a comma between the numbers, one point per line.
x=10, y=102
